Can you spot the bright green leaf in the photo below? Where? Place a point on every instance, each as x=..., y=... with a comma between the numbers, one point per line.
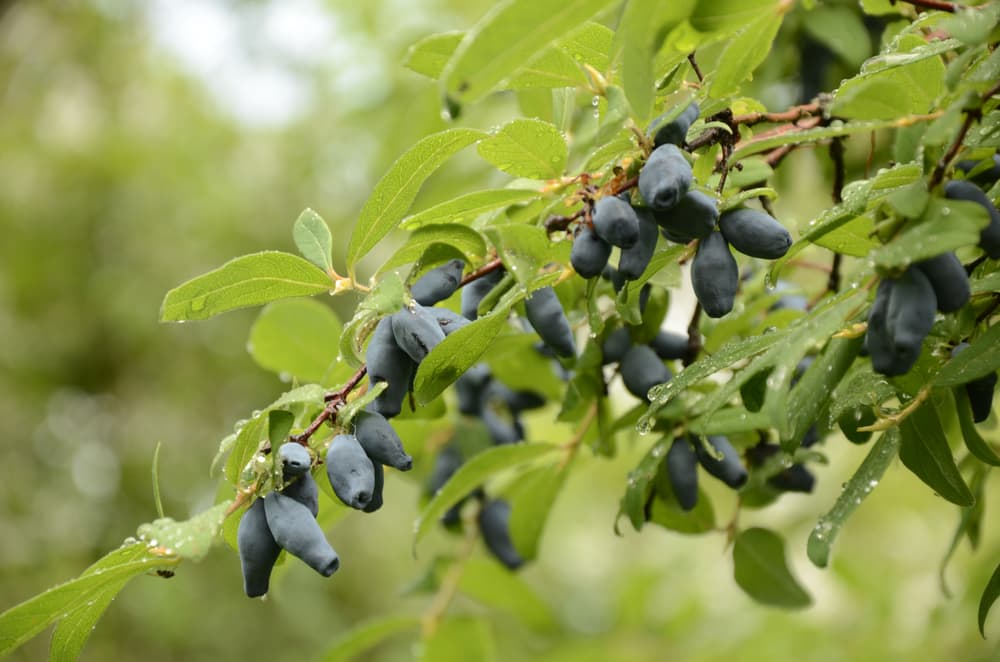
x=312, y=237
x=945, y=226
x=430, y=55
x=467, y=207
x=190, y=539
x=747, y=50
x=531, y=500
x=397, y=189
x=727, y=15
x=296, y=337
x=979, y=359
x=528, y=148
x=926, y=453
x=523, y=249
x=249, y=280
x=464, y=239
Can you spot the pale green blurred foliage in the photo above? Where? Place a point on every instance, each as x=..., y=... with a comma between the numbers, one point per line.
x=121, y=176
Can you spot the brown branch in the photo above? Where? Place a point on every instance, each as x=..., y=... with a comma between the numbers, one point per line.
x=791, y=115
x=839, y=174
x=970, y=118
x=940, y=5
x=694, y=65
x=694, y=336
x=560, y=223
x=487, y=268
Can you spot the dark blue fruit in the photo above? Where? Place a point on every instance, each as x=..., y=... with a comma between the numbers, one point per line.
x=615, y=345
x=296, y=531
x=980, y=391
x=388, y=363
x=416, y=331
x=499, y=418
x=641, y=370
x=351, y=473
x=715, y=275
x=729, y=469
x=295, y=459
x=984, y=178
x=755, y=233
x=948, y=278
x=258, y=550
x=448, y=320
x=682, y=469
x=590, y=253
x=693, y=217
x=380, y=442
x=796, y=478
x=989, y=237
x=669, y=345
x=494, y=524
x=469, y=388
x=665, y=177
x=878, y=340
x=376, y=501
x=474, y=292
x=438, y=284
x=615, y=222
x=910, y=315
x=547, y=318
x=633, y=261
x=304, y=490
x=675, y=131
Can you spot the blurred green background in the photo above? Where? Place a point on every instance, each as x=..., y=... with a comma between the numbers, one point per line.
x=144, y=143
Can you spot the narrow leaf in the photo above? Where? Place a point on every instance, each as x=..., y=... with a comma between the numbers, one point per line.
x=463, y=239
x=531, y=500
x=528, y=148
x=926, y=453
x=990, y=595
x=857, y=489
x=507, y=39
x=250, y=280
x=312, y=237
x=469, y=206
x=190, y=539
x=744, y=54
x=73, y=630
x=945, y=226
x=430, y=55
x=397, y=189
x=367, y=635
x=761, y=570
x=973, y=440
x=979, y=359
x=472, y=474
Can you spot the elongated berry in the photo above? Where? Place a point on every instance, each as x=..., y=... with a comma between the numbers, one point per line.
x=755, y=233
x=910, y=315
x=476, y=291
x=380, y=442
x=729, y=469
x=295, y=459
x=989, y=237
x=670, y=345
x=448, y=320
x=547, y=318
x=674, y=131
x=693, y=217
x=615, y=222
x=376, y=501
x=615, y=345
x=387, y=362
x=665, y=177
x=682, y=469
x=590, y=253
x=633, y=261
x=438, y=284
x=295, y=529
x=641, y=370
x=416, y=331
x=494, y=524
x=948, y=278
x=350, y=471
x=258, y=550
x=715, y=275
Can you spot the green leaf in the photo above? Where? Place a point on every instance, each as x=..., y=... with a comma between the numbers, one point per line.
x=459, y=638
x=744, y=54
x=297, y=338
x=466, y=240
x=489, y=583
x=666, y=512
x=73, y=630
x=906, y=84
x=397, y=189
x=852, y=238
x=508, y=38
x=836, y=129
x=467, y=207
x=857, y=489
x=528, y=148
x=945, y=226
x=312, y=237
x=430, y=55
x=22, y=622
x=190, y=539
x=841, y=30
x=367, y=635
x=523, y=249
x=979, y=359
x=531, y=499
x=553, y=68
x=279, y=423
x=727, y=15
x=247, y=441
x=926, y=453
x=636, y=36
x=249, y=280
x=990, y=595
x=590, y=44
x=472, y=474
x=973, y=441
x=760, y=570
x=454, y=355
x=640, y=484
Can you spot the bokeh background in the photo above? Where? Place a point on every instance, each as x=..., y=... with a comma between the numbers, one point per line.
x=142, y=144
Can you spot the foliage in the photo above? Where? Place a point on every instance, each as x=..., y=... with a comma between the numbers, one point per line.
x=590, y=76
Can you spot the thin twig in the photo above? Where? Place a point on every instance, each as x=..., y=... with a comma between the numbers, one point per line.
x=487, y=268
x=694, y=65
x=940, y=5
x=791, y=115
x=694, y=336
x=571, y=446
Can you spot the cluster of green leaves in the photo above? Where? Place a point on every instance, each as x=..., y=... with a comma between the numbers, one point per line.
x=590, y=75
